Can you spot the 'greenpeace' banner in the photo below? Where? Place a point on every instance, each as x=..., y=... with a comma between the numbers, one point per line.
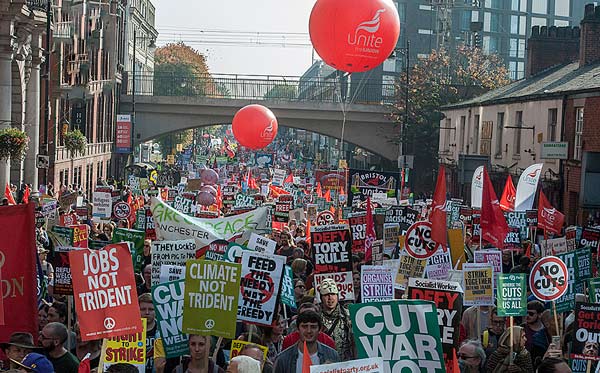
x=405, y=333
x=211, y=297
x=447, y=296
x=168, y=306
x=259, y=286
x=104, y=289
x=332, y=248
x=170, y=224
x=175, y=253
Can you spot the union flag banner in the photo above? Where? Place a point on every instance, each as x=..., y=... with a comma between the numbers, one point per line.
x=105, y=294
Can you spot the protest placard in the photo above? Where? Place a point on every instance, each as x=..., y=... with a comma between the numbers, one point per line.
x=104, y=289
x=215, y=250
x=126, y=349
x=402, y=215
x=137, y=239
x=566, y=302
x=259, y=286
x=438, y=265
x=343, y=280
x=448, y=298
x=234, y=251
x=419, y=243
x=390, y=238
x=168, y=307
x=237, y=345
x=278, y=176
x=478, y=282
x=183, y=205
x=311, y=212
x=102, y=205
x=175, y=253
x=62, y=236
x=370, y=365
x=331, y=247
x=549, y=279
x=408, y=267
x=585, y=343
x=261, y=244
x=489, y=256
x=170, y=273
x=554, y=246
x=211, y=298
x=594, y=290
x=287, y=288
x=358, y=227
x=405, y=333
x=511, y=296
x=377, y=283
x=63, y=283
x=80, y=235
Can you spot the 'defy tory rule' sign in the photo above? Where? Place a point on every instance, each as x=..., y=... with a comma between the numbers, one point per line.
x=332, y=248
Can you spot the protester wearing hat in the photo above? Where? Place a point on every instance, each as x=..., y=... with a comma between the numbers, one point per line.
x=336, y=319
x=17, y=347
x=34, y=362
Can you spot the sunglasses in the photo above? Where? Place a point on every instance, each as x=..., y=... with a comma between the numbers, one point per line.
x=531, y=313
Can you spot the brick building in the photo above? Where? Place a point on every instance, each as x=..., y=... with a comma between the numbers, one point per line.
x=513, y=127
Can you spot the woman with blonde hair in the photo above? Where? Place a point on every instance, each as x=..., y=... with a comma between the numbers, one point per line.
x=511, y=355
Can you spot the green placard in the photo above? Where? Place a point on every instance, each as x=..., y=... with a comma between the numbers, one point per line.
x=168, y=305
x=137, y=239
x=511, y=296
x=63, y=236
x=211, y=298
x=140, y=219
x=287, y=288
x=405, y=333
x=594, y=290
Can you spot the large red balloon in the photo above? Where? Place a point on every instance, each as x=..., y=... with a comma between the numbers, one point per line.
x=254, y=126
x=354, y=35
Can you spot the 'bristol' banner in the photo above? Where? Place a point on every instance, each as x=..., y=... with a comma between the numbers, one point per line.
x=405, y=333
x=363, y=183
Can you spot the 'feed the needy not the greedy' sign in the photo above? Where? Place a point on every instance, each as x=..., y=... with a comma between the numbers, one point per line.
x=259, y=287
x=105, y=293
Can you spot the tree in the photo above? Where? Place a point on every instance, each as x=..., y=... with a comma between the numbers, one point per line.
x=441, y=79
x=282, y=91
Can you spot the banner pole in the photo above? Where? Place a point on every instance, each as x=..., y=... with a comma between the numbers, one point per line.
x=555, y=318
x=511, y=337
x=216, y=351
x=69, y=319
x=588, y=368
x=478, y=323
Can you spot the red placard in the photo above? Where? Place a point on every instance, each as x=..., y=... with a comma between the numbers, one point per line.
x=80, y=235
x=105, y=294
x=123, y=134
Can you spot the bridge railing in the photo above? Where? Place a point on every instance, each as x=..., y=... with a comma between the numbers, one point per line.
x=262, y=87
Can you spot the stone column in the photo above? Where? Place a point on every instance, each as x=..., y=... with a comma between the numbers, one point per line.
x=32, y=114
x=6, y=54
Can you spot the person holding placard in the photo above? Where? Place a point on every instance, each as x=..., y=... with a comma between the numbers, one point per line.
x=511, y=355
x=537, y=335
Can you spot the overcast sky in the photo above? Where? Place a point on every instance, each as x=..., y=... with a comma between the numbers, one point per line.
x=187, y=18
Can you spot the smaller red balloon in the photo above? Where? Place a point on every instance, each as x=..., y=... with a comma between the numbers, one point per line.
x=254, y=126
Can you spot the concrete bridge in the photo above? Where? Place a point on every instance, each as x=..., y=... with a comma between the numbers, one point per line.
x=172, y=105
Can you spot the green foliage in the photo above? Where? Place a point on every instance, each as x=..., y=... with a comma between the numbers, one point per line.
x=13, y=143
x=441, y=79
x=75, y=142
x=282, y=91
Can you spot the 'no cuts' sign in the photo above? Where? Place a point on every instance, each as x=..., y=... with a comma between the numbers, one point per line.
x=418, y=242
x=549, y=278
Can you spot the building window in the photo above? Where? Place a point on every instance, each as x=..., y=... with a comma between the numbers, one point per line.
x=499, y=130
x=514, y=5
x=521, y=49
x=539, y=6
x=560, y=23
x=425, y=7
x=514, y=47
x=535, y=21
x=447, y=134
x=514, y=24
x=61, y=178
x=476, y=134
x=388, y=88
x=519, y=124
x=552, y=119
x=425, y=32
x=578, y=133
x=389, y=65
x=520, y=70
x=562, y=8
x=512, y=68
x=487, y=20
x=461, y=139
x=522, y=25
x=99, y=170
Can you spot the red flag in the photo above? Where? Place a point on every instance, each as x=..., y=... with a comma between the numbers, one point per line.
x=26, y=194
x=84, y=365
x=8, y=195
x=219, y=198
x=251, y=182
x=319, y=191
x=306, y=361
x=549, y=219
x=328, y=195
x=307, y=232
x=455, y=366
x=438, y=210
x=507, y=202
x=493, y=224
x=370, y=233
x=289, y=179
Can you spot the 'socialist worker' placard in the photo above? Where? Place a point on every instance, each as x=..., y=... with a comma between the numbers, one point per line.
x=211, y=298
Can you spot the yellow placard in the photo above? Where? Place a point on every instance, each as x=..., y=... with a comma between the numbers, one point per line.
x=457, y=247
x=237, y=345
x=478, y=284
x=129, y=349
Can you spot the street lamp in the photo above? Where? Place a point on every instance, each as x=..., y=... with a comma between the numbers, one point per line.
x=151, y=47
x=403, y=159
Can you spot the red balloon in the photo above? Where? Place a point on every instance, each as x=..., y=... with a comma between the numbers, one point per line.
x=354, y=35
x=254, y=126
